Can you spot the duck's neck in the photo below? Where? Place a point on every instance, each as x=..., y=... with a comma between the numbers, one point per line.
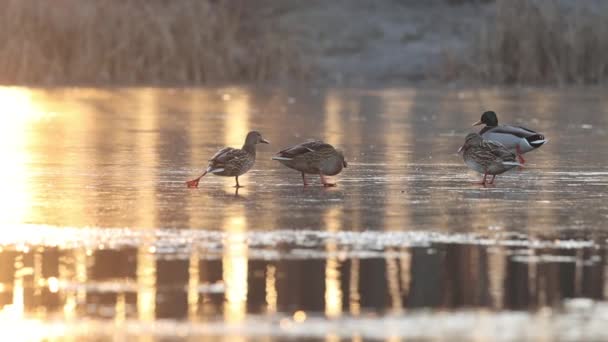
x=492, y=123
x=249, y=148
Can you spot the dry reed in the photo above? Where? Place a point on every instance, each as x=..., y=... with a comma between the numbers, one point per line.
x=140, y=41
x=544, y=41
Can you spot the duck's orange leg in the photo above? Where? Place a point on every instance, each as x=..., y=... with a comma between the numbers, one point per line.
x=304, y=179
x=519, y=155
x=483, y=181
x=492, y=181
x=194, y=183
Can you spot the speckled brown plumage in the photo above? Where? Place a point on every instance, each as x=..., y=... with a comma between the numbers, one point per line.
x=233, y=162
x=313, y=157
x=487, y=157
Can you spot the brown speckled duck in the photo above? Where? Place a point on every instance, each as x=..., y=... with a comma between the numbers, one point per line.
x=487, y=157
x=232, y=162
x=313, y=157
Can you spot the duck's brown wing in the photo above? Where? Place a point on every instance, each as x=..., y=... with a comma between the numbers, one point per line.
x=221, y=154
x=498, y=150
x=303, y=148
x=227, y=155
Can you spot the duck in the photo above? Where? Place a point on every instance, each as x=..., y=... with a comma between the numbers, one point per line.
x=516, y=138
x=313, y=157
x=487, y=157
x=233, y=162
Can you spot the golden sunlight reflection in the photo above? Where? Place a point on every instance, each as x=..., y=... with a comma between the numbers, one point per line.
x=146, y=284
x=396, y=215
x=193, y=285
x=392, y=277
x=605, y=280
x=333, y=291
x=271, y=289
x=20, y=112
x=237, y=119
x=332, y=217
x=13, y=314
x=497, y=262
x=145, y=151
x=120, y=308
x=354, y=299
x=234, y=265
x=17, y=308
x=71, y=175
x=237, y=109
x=333, y=121
x=405, y=264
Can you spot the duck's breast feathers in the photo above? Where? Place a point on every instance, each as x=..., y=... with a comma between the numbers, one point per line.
x=303, y=148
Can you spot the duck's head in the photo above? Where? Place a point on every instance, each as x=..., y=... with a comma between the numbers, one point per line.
x=471, y=139
x=489, y=118
x=255, y=137
x=341, y=156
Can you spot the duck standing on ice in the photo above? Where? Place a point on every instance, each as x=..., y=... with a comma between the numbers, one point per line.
x=487, y=157
x=232, y=162
x=515, y=138
x=313, y=157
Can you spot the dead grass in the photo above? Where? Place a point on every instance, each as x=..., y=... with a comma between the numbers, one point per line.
x=544, y=41
x=140, y=41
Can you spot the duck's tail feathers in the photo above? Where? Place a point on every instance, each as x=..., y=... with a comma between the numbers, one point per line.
x=281, y=158
x=212, y=170
x=536, y=140
x=514, y=163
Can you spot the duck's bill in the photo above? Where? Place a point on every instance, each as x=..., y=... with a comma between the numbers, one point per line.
x=460, y=149
x=477, y=123
x=264, y=141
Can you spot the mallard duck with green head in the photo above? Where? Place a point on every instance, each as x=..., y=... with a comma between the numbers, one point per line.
x=487, y=157
x=516, y=138
x=233, y=162
x=313, y=157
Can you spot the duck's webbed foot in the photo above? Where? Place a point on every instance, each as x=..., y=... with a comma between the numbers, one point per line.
x=326, y=183
x=237, y=183
x=194, y=183
x=483, y=181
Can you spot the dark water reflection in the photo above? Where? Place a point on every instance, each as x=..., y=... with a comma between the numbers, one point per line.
x=446, y=276
x=106, y=159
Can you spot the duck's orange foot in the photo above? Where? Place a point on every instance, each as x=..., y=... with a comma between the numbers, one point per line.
x=193, y=183
x=329, y=185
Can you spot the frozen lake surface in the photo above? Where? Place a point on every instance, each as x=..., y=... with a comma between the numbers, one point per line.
x=101, y=239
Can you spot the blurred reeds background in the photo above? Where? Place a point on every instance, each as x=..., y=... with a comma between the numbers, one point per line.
x=140, y=41
x=543, y=41
x=166, y=42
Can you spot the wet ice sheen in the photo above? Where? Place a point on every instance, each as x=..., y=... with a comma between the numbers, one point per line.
x=292, y=242
x=574, y=324
x=100, y=235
